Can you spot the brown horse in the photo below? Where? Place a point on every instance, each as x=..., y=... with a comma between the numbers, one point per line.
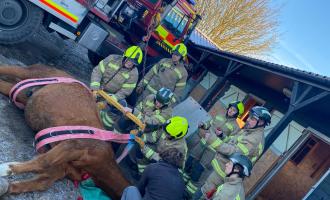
x=68, y=104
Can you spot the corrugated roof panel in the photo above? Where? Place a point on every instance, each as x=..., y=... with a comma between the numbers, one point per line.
x=198, y=38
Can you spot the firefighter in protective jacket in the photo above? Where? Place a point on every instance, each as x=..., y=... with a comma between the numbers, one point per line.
x=168, y=73
x=118, y=75
x=170, y=136
x=236, y=170
x=201, y=155
x=155, y=110
x=249, y=142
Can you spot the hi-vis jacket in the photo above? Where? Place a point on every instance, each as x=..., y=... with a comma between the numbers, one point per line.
x=157, y=141
x=205, y=151
x=147, y=112
x=232, y=189
x=249, y=142
x=165, y=74
x=112, y=77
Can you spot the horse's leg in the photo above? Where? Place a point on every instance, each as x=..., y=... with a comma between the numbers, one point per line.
x=62, y=153
x=5, y=87
x=39, y=183
x=15, y=71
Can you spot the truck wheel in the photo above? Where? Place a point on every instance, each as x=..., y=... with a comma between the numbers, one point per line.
x=94, y=58
x=19, y=19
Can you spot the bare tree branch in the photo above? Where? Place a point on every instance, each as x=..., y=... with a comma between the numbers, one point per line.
x=248, y=27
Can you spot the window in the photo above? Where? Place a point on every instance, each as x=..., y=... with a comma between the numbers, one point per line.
x=301, y=153
x=232, y=94
x=208, y=80
x=175, y=21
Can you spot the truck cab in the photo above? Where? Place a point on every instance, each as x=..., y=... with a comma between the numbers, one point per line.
x=102, y=26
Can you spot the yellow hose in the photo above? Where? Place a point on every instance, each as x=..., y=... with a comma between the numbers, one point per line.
x=117, y=105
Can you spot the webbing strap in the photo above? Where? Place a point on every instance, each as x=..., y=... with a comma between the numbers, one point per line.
x=38, y=82
x=61, y=133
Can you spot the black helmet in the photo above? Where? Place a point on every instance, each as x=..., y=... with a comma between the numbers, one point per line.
x=243, y=161
x=164, y=96
x=114, y=110
x=260, y=112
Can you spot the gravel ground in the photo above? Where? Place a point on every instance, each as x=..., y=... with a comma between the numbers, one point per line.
x=49, y=48
x=15, y=136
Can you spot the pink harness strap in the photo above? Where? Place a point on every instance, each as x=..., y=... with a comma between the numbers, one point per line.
x=60, y=133
x=38, y=82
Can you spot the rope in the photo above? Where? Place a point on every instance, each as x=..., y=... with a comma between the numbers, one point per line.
x=149, y=31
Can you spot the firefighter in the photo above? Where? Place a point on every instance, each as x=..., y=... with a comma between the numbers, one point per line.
x=236, y=170
x=118, y=76
x=201, y=155
x=168, y=73
x=169, y=136
x=249, y=141
x=155, y=109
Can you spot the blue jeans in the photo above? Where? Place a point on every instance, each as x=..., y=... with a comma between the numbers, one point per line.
x=131, y=193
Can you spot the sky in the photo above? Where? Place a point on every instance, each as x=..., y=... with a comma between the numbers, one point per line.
x=304, y=40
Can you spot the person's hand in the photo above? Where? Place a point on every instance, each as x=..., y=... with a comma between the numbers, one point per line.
x=202, y=133
x=94, y=92
x=127, y=110
x=134, y=132
x=218, y=132
x=101, y=105
x=207, y=135
x=201, y=125
x=139, y=90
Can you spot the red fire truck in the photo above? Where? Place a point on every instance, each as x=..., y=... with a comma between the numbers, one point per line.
x=102, y=26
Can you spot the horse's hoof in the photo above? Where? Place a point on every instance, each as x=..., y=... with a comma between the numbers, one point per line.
x=5, y=169
x=4, y=185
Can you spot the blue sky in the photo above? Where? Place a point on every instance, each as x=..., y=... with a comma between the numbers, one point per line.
x=304, y=41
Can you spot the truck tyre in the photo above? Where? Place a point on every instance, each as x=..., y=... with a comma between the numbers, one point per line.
x=94, y=58
x=19, y=19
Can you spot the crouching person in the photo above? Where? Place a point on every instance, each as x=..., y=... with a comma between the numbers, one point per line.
x=169, y=136
x=236, y=170
x=161, y=180
x=155, y=109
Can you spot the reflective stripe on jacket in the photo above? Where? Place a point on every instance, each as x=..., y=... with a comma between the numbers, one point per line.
x=208, y=147
x=165, y=74
x=232, y=189
x=249, y=142
x=160, y=142
x=147, y=112
x=112, y=77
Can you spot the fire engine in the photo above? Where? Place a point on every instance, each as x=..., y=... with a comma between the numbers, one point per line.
x=102, y=26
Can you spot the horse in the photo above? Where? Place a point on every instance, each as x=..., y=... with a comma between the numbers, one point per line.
x=62, y=104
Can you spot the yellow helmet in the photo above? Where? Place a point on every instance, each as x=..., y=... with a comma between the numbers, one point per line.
x=177, y=127
x=239, y=106
x=135, y=54
x=180, y=49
